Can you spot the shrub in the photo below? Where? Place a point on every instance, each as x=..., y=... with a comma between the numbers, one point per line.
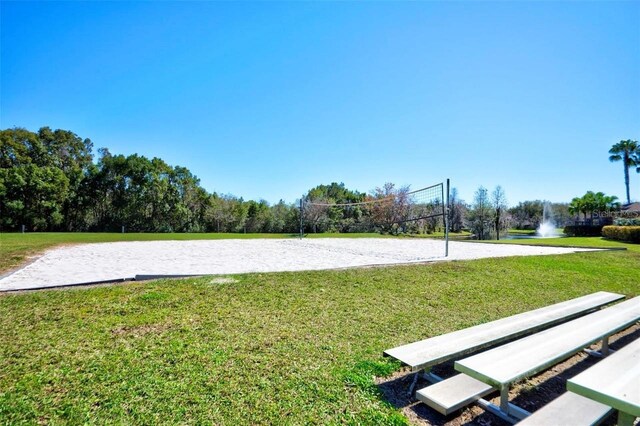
x=629, y=234
x=634, y=221
x=583, y=230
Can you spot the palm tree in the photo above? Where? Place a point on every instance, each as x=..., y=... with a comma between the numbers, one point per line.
x=605, y=204
x=577, y=206
x=611, y=202
x=627, y=151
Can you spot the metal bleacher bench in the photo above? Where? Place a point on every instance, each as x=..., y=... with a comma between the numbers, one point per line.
x=502, y=366
x=568, y=409
x=446, y=396
x=613, y=383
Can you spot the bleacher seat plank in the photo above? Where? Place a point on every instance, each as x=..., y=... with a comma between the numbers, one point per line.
x=522, y=358
x=569, y=409
x=453, y=393
x=614, y=381
x=438, y=349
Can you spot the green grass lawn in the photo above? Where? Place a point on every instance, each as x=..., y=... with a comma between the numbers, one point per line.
x=278, y=348
x=522, y=232
x=531, y=232
x=595, y=242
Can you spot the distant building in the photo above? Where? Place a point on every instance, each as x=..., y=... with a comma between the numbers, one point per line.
x=633, y=207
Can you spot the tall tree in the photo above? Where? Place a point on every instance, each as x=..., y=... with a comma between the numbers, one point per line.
x=336, y=218
x=577, y=206
x=72, y=155
x=527, y=214
x=315, y=212
x=392, y=207
x=499, y=202
x=457, y=210
x=480, y=214
x=627, y=152
x=33, y=187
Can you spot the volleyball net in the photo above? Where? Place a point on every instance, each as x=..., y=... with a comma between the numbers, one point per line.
x=387, y=210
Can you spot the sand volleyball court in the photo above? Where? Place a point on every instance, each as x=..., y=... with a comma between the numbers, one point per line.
x=89, y=263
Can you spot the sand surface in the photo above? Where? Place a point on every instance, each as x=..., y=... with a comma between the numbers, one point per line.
x=124, y=260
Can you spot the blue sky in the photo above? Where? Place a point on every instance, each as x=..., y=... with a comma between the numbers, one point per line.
x=266, y=100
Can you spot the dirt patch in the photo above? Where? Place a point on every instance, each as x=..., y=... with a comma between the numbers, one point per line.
x=531, y=394
x=139, y=330
x=223, y=280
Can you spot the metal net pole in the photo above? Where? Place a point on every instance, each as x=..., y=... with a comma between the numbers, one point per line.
x=446, y=223
x=301, y=216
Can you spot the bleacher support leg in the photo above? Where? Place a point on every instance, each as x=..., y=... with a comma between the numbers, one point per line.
x=625, y=419
x=604, y=349
x=430, y=377
x=506, y=411
x=504, y=399
x=413, y=383
x=514, y=415
x=427, y=375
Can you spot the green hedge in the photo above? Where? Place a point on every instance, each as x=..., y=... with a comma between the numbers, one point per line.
x=583, y=230
x=630, y=234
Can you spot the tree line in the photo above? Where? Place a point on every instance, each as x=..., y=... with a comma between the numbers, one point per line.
x=488, y=217
x=593, y=204
x=529, y=214
x=387, y=209
x=49, y=181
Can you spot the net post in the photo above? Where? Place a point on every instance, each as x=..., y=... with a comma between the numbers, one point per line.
x=301, y=211
x=446, y=223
